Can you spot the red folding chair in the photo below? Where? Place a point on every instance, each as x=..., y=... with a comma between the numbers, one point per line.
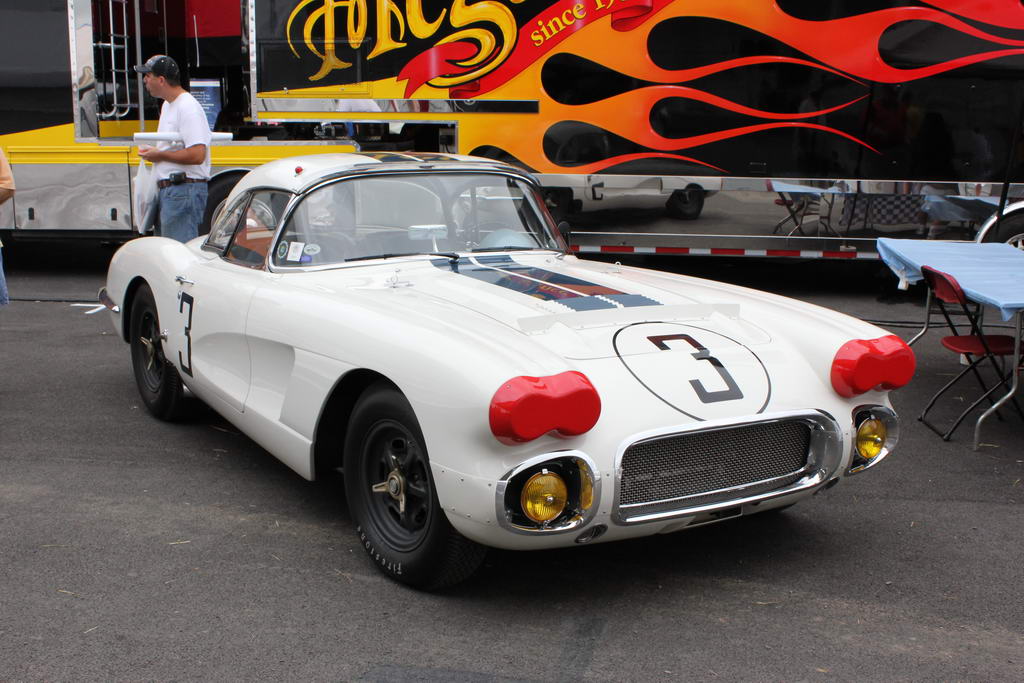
x=798, y=210
x=976, y=346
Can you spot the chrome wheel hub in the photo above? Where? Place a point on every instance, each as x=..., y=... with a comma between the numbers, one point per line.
x=394, y=486
x=150, y=349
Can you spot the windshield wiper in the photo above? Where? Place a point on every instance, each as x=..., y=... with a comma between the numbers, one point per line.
x=450, y=255
x=511, y=248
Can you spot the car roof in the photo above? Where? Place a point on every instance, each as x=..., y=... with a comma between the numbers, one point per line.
x=297, y=174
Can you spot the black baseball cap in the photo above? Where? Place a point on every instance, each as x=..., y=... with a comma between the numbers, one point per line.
x=160, y=65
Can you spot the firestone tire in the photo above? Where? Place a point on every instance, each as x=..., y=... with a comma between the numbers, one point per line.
x=157, y=379
x=392, y=499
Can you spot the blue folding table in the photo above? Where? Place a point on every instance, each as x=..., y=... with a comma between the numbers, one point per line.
x=990, y=273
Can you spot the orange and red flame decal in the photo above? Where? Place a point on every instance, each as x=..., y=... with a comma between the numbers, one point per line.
x=849, y=48
x=504, y=50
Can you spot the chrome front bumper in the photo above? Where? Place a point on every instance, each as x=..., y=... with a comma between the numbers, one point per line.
x=672, y=485
x=105, y=299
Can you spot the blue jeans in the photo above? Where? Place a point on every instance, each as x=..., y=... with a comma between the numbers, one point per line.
x=181, y=210
x=4, y=300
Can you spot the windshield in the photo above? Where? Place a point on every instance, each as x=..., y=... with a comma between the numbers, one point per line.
x=378, y=216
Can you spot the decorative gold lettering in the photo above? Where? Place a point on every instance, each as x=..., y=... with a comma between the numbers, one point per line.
x=558, y=23
x=489, y=25
x=418, y=24
x=355, y=25
x=543, y=28
x=481, y=12
x=386, y=13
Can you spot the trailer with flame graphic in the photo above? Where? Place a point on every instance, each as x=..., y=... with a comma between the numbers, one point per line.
x=858, y=118
x=819, y=125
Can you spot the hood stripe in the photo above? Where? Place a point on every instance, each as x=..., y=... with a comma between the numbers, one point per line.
x=517, y=283
x=587, y=303
x=630, y=300
x=581, y=287
x=579, y=295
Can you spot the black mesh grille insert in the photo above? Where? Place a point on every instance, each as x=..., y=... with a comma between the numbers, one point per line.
x=703, y=462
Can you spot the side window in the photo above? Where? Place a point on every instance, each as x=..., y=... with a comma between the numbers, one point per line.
x=253, y=237
x=224, y=225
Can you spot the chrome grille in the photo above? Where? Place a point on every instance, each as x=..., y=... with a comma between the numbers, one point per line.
x=697, y=468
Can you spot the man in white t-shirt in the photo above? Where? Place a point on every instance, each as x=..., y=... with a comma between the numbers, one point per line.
x=182, y=168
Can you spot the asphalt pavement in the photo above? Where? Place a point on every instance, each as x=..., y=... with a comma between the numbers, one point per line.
x=135, y=549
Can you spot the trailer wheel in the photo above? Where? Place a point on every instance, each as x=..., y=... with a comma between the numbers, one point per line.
x=216, y=195
x=1011, y=230
x=685, y=204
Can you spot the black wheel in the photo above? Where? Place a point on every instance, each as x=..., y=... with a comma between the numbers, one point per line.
x=685, y=204
x=1011, y=230
x=158, y=381
x=392, y=499
x=216, y=194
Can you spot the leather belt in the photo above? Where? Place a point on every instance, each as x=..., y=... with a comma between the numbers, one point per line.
x=167, y=183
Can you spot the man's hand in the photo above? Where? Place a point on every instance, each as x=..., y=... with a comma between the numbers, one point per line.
x=193, y=155
x=150, y=154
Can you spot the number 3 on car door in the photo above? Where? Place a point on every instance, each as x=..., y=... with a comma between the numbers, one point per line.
x=185, y=362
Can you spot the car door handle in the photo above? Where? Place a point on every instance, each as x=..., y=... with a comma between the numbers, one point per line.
x=181, y=280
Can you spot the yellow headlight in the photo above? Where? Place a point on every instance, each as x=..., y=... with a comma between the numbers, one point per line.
x=586, y=486
x=544, y=496
x=871, y=435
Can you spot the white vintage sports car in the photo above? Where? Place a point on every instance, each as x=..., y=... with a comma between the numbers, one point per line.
x=416, y=321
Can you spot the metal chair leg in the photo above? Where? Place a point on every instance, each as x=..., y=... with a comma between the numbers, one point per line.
x=987, y=395
x=793, y=208
x=974, y=368
x=921, y=417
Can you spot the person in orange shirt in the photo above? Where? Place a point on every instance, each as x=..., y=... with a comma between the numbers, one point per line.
x=6, y=192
